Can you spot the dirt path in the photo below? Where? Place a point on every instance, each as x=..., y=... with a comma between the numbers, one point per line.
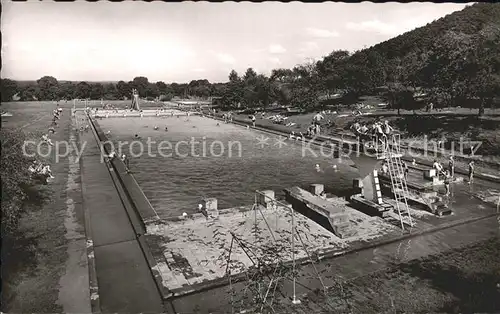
x=74, y=294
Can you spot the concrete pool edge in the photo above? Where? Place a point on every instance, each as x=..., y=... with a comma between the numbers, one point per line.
x=137, y=221
x=93, y=283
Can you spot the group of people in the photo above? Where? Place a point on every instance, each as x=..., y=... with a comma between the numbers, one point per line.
x=123, y=158
x=377, y=129
x=296, y=137
x=56, y=113
x=385, y=168
x=449, y=173
x=37, y=170
x=228, y=117
x=313, y=129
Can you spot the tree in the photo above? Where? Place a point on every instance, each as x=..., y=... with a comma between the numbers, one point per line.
x=66, y=90
x=233, y=94
x=249, y=76
x=233, y=76
x=96, y=91
x=152, y=91
x=484, y=62
x=123, y=90
x=9, y=89
x=110, y=92
x=306, y=86
x=83, y=90
x=162, y=87
x=332, y=72
x=178, y=89
x=29, y=93
x=49, y=88
x=140, y=83
x=199, y=88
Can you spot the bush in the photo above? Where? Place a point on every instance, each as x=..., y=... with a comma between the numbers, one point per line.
x=18, y=189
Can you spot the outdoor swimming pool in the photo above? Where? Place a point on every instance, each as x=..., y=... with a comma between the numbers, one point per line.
x=226, y=161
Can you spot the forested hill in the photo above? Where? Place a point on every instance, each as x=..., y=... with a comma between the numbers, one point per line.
x=456, y=57
x=469, y=21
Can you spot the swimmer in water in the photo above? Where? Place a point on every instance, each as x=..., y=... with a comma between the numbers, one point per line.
x=166, y=129
x=156, y=127
x=318, y=169
x=137, y=136
x=218, y=124
x=335, y=168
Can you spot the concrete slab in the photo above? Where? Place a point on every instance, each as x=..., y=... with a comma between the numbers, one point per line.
x=193, y=253
x=125, y=282
x=124, y=279
x=103, y=203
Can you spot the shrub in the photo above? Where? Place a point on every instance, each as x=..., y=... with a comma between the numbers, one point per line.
x=18, y=189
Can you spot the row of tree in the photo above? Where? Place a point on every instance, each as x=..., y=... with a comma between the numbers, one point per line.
x=49, y=88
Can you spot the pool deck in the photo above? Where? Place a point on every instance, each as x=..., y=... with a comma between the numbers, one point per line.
x=124, y=113
x=122, y=279
x=190, y=254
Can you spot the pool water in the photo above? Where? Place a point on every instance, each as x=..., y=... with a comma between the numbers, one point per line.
x=229, y=162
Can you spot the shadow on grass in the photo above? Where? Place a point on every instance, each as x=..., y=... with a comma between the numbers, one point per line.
x=475, y=291
x=435, y=127
x=18, y=257
x=421, y=125
x=19, y=249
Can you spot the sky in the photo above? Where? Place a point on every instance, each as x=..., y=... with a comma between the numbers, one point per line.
x=179, y=42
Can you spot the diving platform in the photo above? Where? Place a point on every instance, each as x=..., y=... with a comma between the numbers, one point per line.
x=324, y=212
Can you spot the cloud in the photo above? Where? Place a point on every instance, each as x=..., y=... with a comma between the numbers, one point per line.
x=276, y=49
x=321, y=33
x=309, y=46
x=375, y=26
x=223, y=57
x=258, y=50
x=275, y=60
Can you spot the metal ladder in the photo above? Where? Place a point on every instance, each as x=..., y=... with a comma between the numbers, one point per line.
x=398, y=181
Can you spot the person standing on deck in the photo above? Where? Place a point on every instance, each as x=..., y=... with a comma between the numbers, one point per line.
x=451, y=166
x=438, y=167
x=253, y=120
x=447, y=179
x=387, y=128
x=406, y=170
x=471, y=171
x=126, y=162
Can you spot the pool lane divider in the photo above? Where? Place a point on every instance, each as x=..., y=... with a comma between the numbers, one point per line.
x=132, y=202
x=95, y=305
